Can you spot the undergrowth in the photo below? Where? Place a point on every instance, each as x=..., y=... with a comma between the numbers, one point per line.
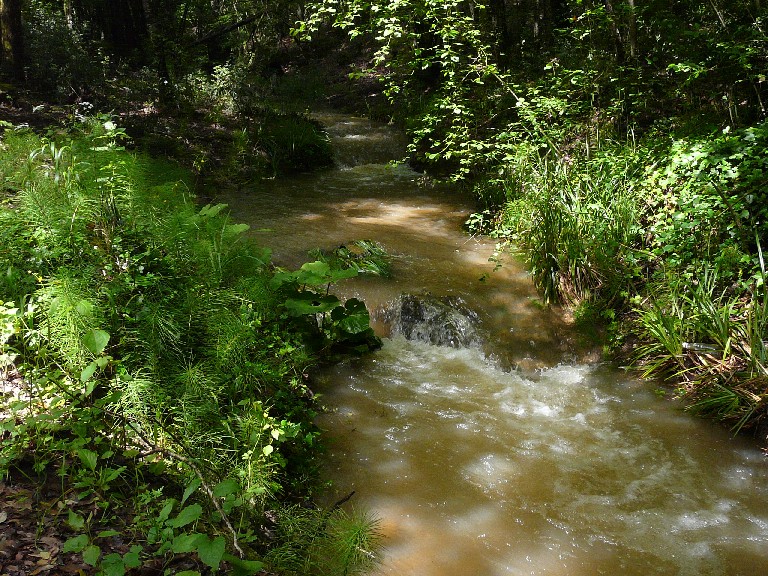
x=163, y=365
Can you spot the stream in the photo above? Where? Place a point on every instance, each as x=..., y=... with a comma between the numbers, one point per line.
x=517, y=452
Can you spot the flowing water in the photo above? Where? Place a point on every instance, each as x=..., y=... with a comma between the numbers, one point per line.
x=508, y=450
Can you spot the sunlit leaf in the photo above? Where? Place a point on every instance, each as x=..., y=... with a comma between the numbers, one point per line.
x=187, y=515
x=95, y=341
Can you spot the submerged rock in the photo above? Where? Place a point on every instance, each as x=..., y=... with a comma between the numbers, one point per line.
x=438, y=320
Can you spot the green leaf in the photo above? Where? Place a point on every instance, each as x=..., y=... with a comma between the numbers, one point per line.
x=268, y=449
x=310, y=303
x=95, y=341
x=316, y=273
x=88, y=458
x=113, y=565
x=187, y=515
x=313, y=273
x=91, y=554
x=184, y=543
x=226, y=487
x=83, y=307
x=355, y=318
x=75, y=544
x=132, y=559
x=113, y=473
x=188, y=573
x=212, y=551
x=166, y=511
x=243, y=567
x=211, y=210
x=107, y=533
x=236, y=229
x=194, y=485
x=75, y=521
x=88, y=372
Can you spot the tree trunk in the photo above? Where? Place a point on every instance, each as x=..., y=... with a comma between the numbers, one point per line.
x=156, y=13
x=11, y=39
x=633, y=51
x=618, y=42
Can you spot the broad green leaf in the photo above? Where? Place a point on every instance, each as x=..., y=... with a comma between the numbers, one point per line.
x=88, y=458
x=91, y=554
x=268, y=449
x=187, y=515
x=226, y=487
x=211, y=210
x=211, y=551
x=194, y=485
x=89, y=388
x=88, y=372
x=107, y=533
x=132, y=559
x=166, y=511
x=235, y=229
x=243, y=567
x=353, y=318
x=310, y=303
x=75, y=544
x=95, y=341
x=313, y=273
x=184, y=543
x=83, y=307
x=113, y=565
x=75, y=520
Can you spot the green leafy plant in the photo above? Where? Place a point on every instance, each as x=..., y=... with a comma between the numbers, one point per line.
x=156, y=346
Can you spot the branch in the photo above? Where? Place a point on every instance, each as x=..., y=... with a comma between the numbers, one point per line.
x=224, y=30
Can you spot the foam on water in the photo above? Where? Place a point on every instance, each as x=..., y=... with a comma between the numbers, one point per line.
x=573, y=473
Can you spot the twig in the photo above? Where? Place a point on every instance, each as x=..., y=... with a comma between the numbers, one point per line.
x=344, y=500
x=211, y=495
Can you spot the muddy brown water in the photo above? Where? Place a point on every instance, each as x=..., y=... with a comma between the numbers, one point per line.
x=517, y=456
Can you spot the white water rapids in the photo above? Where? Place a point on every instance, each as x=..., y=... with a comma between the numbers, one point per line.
x=517, y=457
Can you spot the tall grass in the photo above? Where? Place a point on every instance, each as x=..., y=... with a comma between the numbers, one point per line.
x=577, y=221
x=663, y=240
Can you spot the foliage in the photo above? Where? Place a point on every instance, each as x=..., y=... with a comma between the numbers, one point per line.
x=713, y=345
x=342, y=543
x=158, y=347
x=578, y=222
x=365, y=256
x=709, y=202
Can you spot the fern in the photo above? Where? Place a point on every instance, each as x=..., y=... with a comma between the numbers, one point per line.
x=68, y=310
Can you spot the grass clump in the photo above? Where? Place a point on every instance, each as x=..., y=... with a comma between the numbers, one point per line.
x=161, y=358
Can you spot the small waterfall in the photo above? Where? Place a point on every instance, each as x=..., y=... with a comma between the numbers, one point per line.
x=358, y=141
x=438, y=320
